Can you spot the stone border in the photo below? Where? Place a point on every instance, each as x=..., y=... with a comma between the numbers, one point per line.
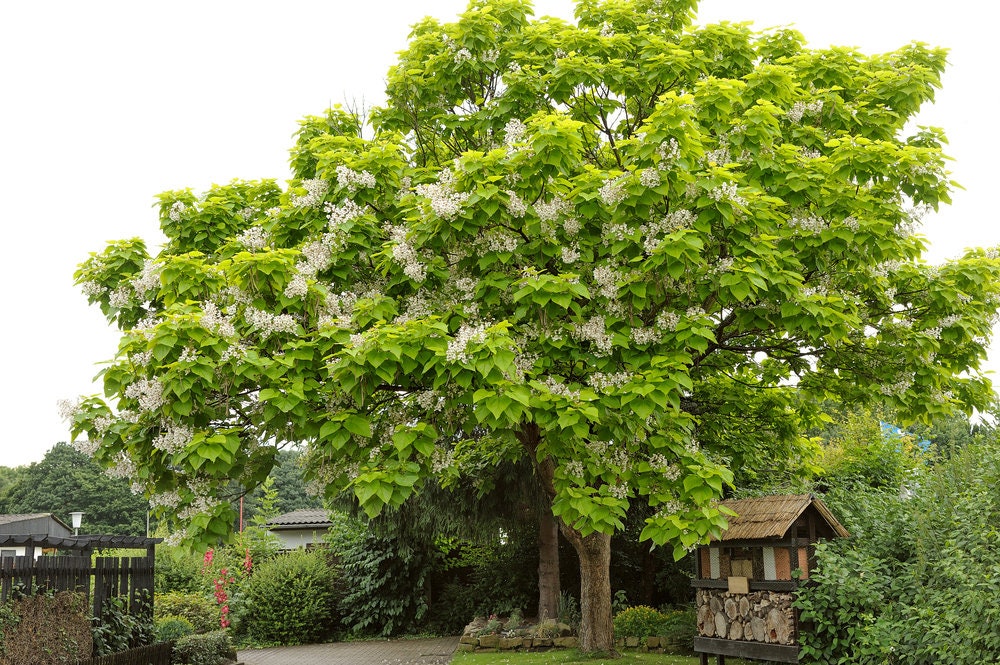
x=495, y=643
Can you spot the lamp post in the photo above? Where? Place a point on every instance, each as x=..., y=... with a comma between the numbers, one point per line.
x=77, y=518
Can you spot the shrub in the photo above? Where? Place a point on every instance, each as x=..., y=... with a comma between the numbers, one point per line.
x=172, y=628
x=197, y=608
x=117, y=630
x=386, y=580
x=638, y=621
x=209, y=649
x=288, y=600
x=177, y=571
x=678, y=630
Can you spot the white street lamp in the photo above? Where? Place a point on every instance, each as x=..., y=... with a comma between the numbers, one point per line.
x=77, y=518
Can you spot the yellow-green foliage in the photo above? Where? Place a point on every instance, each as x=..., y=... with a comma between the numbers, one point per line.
x=638, y=621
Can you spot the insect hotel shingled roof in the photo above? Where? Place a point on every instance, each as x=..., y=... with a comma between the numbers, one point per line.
x=769, y=517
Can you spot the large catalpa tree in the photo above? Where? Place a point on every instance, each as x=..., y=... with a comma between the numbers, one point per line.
x=608, y=247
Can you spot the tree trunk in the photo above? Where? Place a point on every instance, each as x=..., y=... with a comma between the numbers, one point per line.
x=548, y=566
x=594, y=551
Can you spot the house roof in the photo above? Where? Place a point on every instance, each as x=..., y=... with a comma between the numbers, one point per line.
x=92, y=541
x=307, y=518
x=772, y=516
x=16, y=518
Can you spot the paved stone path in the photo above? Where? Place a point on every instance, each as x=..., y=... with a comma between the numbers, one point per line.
x=433, y=651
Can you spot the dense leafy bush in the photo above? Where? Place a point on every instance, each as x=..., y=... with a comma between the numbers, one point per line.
x=169, y=629
x=916, y=584
x=209, y=649
x=197, y=608
x=385, y=581
x=678, y=630
x=470, y=580
x=177, y=571
x=118, y=630
x=638, y=621
x=291, y=599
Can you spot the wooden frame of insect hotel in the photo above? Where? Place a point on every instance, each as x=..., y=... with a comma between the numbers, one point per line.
x=745, y=581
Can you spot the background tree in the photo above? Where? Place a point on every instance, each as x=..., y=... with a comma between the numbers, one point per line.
x=597, y=247
x=67, y=480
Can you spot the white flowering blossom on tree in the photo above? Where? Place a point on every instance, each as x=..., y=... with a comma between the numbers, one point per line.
x=630, y=250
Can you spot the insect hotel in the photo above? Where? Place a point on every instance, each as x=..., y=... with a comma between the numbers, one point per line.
x=744, y=581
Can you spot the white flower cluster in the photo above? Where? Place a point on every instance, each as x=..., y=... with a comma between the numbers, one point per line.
x=353, y=180
x=338, y=309
x=405, y=254
x=170, y=499
x=513, y=132
x=573, y=468
x=173, y=437
x=445, y=201
x=606, y=278
x=254, y=238
x=176, y=210
x=68, y=409
x=653, y=232
x=442, y=460
x=605, y=382
x=189, y=354
x=899, y=387
x=92, y=289
x=570, y=254
x=851, y=223
x=148, y=392
x=121, y=297
x=728, y=192
x=593, y=331
x=619, y=490
x=123, y=467
x=148, y=279
x=343, y=213
x=667, y=321
x=297, y=287
x=268, y=324
x=612, y=192
x=213, y=320
x=808, y=222
x=462, y=55
x=560, y=389
x=669, y=151
x=86, y=446
x=615, y=232
x=551, y=211
x=800, y=109
x=607, y=30
x=515, y=204
x=649, y=178
x=458, y=346
x=643, y=335
x=429, y=400
x=315, y=191
x=718, y=156
x=498, y=240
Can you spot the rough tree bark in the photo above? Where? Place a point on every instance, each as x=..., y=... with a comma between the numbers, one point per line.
x=548, y=566
x=594, y=553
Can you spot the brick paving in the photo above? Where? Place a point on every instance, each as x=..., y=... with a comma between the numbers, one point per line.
x=432, y=651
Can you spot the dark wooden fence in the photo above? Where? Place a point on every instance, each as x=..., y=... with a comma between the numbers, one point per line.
x=109, y=577
x=154, y=654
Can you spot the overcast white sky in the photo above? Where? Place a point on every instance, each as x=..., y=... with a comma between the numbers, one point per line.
x=104, y=104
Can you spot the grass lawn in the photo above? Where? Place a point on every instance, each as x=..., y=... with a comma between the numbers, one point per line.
x=573, y=656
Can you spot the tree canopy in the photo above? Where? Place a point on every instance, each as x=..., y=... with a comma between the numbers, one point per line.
x=633, y=251
x=67, y=480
